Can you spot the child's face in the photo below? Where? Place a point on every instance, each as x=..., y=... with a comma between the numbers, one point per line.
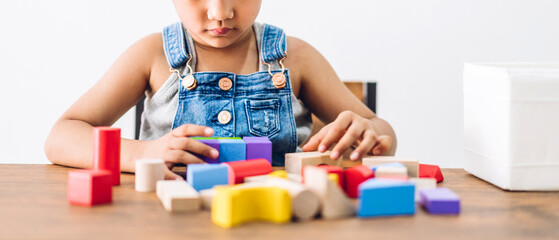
x=217, y=23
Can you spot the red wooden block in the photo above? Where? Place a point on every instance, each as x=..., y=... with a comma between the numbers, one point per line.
x=430, y=171
x=106, y=151
x=89, y=187
x=353, y=177
x=238, y=170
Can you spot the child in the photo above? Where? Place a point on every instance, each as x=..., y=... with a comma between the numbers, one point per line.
x=229, y=76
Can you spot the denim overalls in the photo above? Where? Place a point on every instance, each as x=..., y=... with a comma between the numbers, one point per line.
x=236, y=105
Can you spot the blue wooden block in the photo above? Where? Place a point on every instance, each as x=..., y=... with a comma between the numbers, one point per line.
x=231, y=150
x=205, y=176
x=392, y=164
x=439, y=201
x=386, y=197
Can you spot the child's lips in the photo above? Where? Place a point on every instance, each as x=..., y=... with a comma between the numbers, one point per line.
x=220, y=31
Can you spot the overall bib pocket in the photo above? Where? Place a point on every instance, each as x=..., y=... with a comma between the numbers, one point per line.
x=263, y=116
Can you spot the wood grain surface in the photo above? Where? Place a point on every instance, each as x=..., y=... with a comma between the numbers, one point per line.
x=33, y=205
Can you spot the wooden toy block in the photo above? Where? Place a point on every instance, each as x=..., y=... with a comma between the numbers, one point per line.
x=440, y=201
x=258, y=147
x=295, y=177
x=263, y=178
x=333, y=178
x=294, y=162
x=148, y=172
x=385, y=197
x=178, y=196
x=212, y=143
x=204, y=176
x=89, y=187
x=391, y=170
x=237, y=171
x=305, y=204
x=430, y=171
x=334, y=202
x=410, y=163
x=231, y=149
x=234, y=205
x=423, y=183
x=207, y=196
x=353, y=177
x=106, y=151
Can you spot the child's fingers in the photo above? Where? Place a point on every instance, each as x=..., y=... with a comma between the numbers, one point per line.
x=353, y=133
x=187, y=130
x=169, y=175
x=180, y=156
x=334, y=132
x=384, y=143
x=312, y=144
x=191, y=145
x=369, y=140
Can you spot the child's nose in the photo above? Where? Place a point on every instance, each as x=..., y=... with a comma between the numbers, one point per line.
x=220, y=10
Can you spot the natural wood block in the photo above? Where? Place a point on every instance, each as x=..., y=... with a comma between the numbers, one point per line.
x=148, y=172
x=178, y=196
x=391, y=170
x=305, y=204
x=412, y=164
x=423, y=183
x=294, y=162
x=207, y=196
x=334, y=202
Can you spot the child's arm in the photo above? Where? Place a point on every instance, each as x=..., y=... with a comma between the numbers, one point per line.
x=70, y=141
x=350, y=121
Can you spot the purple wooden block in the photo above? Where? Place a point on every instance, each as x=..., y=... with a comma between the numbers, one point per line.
x=258, y=147
x=439, y=201
x=212, y=143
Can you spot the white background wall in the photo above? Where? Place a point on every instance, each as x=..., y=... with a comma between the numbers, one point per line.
x=51, y=52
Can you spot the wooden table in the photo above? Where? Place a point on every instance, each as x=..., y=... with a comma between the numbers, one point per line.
x=33, y=205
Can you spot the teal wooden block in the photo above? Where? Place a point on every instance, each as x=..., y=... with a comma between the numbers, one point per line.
x=231, y=150
x=386, y=197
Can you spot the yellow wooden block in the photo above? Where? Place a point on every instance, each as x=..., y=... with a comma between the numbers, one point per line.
x=279, y=173
x=334, y=178
x=234, y=205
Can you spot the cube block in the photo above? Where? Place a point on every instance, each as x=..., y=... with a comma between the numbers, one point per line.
x=231, y=150
x=89, y=187
x=258, y=147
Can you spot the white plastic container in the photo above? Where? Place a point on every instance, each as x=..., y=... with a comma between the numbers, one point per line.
x=511, y=124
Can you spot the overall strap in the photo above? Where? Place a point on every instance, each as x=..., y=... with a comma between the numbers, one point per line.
x=274, y=43
x=174, y=45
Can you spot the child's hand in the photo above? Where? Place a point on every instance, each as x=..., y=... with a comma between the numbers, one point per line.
x=177, y=147
x=349, y=129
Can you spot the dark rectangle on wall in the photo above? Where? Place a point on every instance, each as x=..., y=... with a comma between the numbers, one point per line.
x=371, y=97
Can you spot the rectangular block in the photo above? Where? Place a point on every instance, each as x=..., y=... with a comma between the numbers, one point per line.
x=106, y=151
x=214, y=143
x=511, y=111
x=237, y=171
x=439, y=201
x=205, y=176
x=178, y=196
x=89, y=187
x=294, y=162
x=412, y=164
x=231, y=150
x=391, y=170
x=385, y=197
x=258, y=147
